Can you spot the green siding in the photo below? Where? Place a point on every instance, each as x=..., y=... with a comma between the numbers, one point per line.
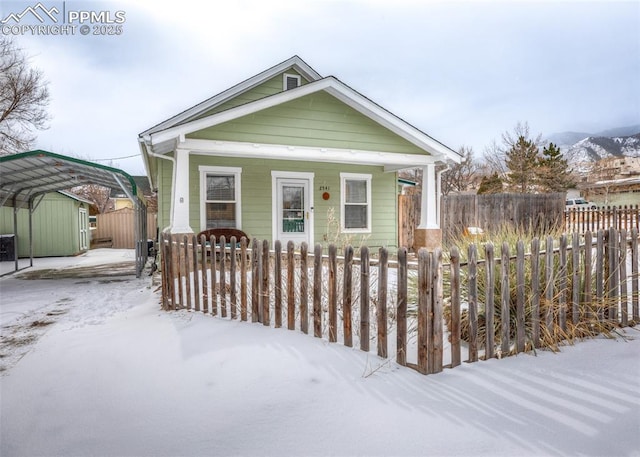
x=270, y=87
x=318, y=120
x=56, y=229
x=164, y=182
x=256, y=196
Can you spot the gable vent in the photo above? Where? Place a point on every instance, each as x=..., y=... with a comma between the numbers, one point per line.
x=291, y=81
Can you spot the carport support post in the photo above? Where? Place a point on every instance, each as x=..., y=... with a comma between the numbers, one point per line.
x=15, y=231
x=428, y=233
x=139, y=226
x=31, y=209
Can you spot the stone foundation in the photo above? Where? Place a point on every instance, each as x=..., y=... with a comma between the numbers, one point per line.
x=427, y=238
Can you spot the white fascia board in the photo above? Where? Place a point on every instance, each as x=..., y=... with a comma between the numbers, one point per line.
x=336, y=89
x=390, y=160
x=295, y=62
x=167, y=146
x=75, y=197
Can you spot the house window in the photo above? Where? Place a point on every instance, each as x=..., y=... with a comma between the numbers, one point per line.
x=291, y=81
x=220, y=204
x=355, y=202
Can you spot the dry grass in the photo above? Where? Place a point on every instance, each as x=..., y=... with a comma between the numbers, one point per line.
x=592, y=321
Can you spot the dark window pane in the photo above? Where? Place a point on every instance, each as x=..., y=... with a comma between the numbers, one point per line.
x=292, y=82
x=221, y=187
x=355, y=216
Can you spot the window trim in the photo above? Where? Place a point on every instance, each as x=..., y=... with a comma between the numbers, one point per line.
x=285, y=76
x=205, y=170
x=344, y=177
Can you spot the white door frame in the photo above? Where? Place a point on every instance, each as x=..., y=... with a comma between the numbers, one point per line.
x=83, y=222
x=275, y=217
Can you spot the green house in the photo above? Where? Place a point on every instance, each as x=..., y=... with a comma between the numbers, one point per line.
x=60, y=226
x=290, y=155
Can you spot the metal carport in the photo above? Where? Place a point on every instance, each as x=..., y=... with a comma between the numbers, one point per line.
x=26, y=177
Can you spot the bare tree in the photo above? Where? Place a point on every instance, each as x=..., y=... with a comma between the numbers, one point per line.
x=99, y=195
x=24, y=97
x=521, y=130
x=494, y=159
x=460, y=176
x=495, y=154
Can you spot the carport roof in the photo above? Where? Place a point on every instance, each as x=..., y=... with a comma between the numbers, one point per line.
x=30, y=174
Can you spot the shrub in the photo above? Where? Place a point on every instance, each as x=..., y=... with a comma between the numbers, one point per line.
x=550, y=336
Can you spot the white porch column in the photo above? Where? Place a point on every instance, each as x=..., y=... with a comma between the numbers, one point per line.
x=180, y=203
x=428, y=233
x=429, y=199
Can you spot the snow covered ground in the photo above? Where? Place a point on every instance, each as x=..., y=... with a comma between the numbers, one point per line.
x=103, y=371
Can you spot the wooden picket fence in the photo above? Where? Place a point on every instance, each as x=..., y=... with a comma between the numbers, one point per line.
x=435, y=307
x=584, y=219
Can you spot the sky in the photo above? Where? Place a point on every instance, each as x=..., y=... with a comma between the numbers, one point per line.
x=463, y=72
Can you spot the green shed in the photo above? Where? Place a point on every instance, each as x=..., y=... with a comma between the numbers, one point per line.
x=60, y=226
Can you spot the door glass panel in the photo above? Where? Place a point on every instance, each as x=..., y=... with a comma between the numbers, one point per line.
x=292, y=209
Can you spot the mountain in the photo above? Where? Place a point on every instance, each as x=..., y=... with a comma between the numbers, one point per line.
x=596, y=148
x=583, y=149
x=585, y=152
x=565, y=140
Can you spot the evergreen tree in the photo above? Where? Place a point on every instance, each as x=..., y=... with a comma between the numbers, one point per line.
x=490, y=185
x=553, y=173
x=521, y=161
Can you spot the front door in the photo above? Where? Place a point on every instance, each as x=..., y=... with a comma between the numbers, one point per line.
x=294, y=217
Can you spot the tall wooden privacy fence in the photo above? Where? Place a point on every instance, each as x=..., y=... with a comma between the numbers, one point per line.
x=428, y=313
x=491, y=212
x=119, y=227
x=586, y=219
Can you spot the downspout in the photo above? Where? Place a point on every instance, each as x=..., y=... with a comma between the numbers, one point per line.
x=147, y=144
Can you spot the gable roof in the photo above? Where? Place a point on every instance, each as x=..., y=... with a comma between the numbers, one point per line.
x=295, y=63
x=163, y=137
x=334, y=87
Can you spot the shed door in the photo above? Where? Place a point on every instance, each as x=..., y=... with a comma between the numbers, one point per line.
x=293, y=212
x=84, y=229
